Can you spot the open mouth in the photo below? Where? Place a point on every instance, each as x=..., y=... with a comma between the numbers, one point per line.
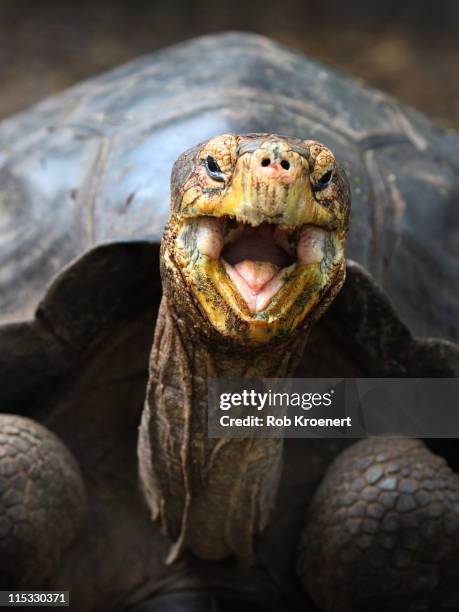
x=259, y=260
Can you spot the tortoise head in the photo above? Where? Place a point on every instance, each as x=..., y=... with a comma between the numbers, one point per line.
x=254, y=247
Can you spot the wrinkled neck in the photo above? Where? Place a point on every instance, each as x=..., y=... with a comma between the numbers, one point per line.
x=210, y=495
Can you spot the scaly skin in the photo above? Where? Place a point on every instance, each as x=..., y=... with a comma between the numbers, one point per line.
x=42, y=502
x=383, y=532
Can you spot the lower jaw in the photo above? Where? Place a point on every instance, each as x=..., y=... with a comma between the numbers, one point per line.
x=230, y=315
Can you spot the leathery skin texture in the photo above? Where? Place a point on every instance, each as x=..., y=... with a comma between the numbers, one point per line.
x=383, y=531
x=211, y=496
x=42, y=502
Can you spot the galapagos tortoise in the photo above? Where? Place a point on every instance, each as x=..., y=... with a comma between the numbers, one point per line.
x=84, y=197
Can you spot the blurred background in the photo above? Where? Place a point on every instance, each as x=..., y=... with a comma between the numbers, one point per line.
x=408, y=48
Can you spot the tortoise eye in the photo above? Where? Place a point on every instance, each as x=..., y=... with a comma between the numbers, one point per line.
x=324, y=180
x=213, y=169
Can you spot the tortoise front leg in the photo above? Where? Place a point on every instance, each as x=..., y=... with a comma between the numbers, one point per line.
x=383, y=532
x=42, y=502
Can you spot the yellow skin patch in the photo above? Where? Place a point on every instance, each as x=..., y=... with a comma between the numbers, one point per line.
x=279, y=319
x=261, y=178
x=254, y=199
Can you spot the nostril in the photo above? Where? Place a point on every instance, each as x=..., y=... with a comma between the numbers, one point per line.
x=266, y=161
x=285, y=164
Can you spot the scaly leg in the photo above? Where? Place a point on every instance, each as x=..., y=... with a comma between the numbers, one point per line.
x=42, y=502
x=383, y=531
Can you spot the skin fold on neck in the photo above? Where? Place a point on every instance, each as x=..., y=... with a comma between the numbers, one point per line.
x=211, y=496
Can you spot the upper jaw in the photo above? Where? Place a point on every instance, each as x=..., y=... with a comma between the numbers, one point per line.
x=289, y=218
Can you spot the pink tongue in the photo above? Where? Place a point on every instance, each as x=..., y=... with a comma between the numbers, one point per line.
x=256, y=273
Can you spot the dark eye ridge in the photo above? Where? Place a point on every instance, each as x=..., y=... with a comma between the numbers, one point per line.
x=213, y=169
x=324, y=180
